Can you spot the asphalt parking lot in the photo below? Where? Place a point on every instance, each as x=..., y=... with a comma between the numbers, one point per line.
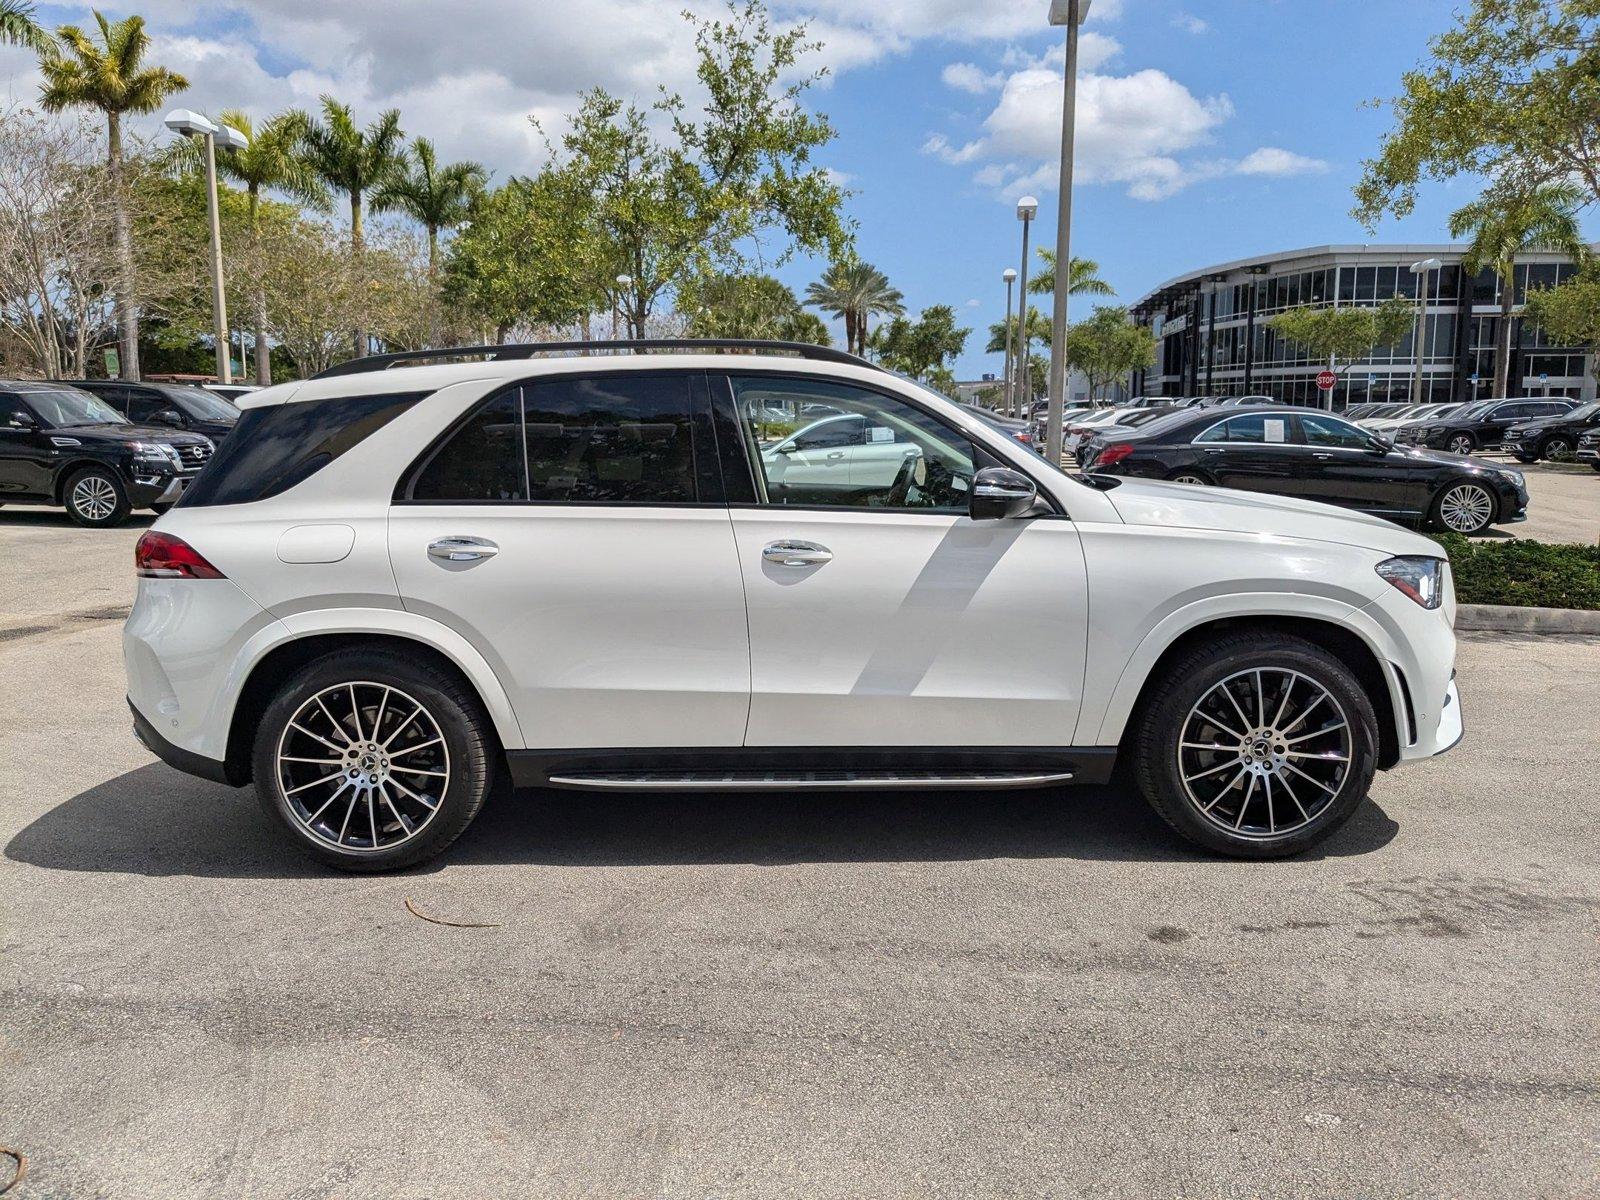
x=1040, y=993
x=1563, y=503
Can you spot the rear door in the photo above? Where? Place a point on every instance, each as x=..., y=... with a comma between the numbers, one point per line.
x=1253, y=452
x=886, y=616
x=594, y=561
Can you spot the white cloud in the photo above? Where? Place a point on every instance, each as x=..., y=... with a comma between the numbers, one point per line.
x=969, y=77
x=1190, y=23
x=1270, y=160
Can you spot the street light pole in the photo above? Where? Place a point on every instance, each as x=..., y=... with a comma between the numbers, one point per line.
x=624, y=282
x=1070, y=13
x=1010, y=277
x=192, y=124
x=1027, y=209
x=1419, y=335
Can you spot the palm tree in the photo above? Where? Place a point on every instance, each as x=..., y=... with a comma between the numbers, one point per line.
x=19, y=28
x=110, y=76
x=1505, y=225
x=855, y=291
x=1083, y=278
x=1038, y=331
x=271, y=160
x=436, y=198
x=354, y=161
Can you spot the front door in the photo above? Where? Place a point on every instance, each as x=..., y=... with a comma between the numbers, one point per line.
x=889, y=618
x=564, y=529
x=1343, y=467
x=25, y=451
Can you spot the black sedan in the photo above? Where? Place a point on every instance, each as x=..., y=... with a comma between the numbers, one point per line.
x=1322, y=457
x=1479, y=426
x=1555, y=438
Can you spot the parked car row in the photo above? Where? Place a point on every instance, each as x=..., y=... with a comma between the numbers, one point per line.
x=1312, y=455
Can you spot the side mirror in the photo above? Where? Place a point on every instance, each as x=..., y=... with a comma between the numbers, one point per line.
x=999, y=493
x=167, y=416
x=21, y=423
x=1379, y=444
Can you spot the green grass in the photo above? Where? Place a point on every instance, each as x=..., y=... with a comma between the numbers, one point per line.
x=1524, y=574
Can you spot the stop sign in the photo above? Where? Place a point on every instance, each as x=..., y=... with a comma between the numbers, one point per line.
x=1326, y=380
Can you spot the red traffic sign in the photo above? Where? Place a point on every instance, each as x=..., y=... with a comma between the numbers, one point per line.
x=1326, y=380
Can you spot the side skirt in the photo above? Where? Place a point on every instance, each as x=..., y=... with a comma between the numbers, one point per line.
x=805, y=768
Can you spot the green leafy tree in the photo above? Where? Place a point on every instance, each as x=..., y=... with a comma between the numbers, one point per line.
x=354, y=162
x=110, y=75
x=1504, y=225
x=1511, y=93
x=854, y=292
x=19, y=27
x=1345, y=335
x=749, y=306
x=1107, y=346
x=1570, y=312
x=1084, y=276
x=734, y=174
x=919, y=348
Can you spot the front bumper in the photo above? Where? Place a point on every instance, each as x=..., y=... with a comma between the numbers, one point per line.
x=158, y=489
x=1416, y=648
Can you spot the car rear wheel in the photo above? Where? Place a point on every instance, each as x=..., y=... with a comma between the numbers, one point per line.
x=1461, y=443
x=1193, y=478
x=373, y=762
x=1256, y=745
x=1558, y=448
x=95, y=497
x=1463, y=508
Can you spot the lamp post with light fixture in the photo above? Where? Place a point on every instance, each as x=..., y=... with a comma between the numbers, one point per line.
x=1419, y=336
x=1027, y=209
x=1070, y=13
x=192, y=124
x=624, y=282
x=1010, y=276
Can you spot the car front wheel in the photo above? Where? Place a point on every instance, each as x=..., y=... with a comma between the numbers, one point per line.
x=95, y=497
x=1461, y=443
x=1256, y=745
x=1558, y=448
x=373, y=761
x=1463, y=508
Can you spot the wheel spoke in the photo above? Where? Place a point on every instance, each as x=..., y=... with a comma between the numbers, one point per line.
x=1312, y=779
x=1306, y=712
x=1211, y=771
x=377, y=722
x=414, y=749
x=389, y=741
x=355, y=712
x=316, y=762
x=1284, y=780
x=1208, y=746
x=1328, y=757
x=1261, y=700
x=1283, y=703
x=312, y=819
x=1244, y=805
x=347, y=814
x=1306, y=737
x=419, y=771
x=1229, y=694
x=422, y=800
x=315, y=737
x=333, y=720
x=372, y=818
x=1272, y=818
x=405, y=822
x=325, y=779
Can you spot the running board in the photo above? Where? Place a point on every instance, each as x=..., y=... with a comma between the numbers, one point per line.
x=786, y=781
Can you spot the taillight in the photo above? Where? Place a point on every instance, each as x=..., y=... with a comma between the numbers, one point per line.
x=162, y=556
x=1023, y=436
x=1113, y=454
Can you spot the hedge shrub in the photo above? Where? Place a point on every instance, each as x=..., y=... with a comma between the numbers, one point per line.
x=1526, y=574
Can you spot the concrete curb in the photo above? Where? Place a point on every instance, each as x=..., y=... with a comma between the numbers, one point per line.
x=1508, y=618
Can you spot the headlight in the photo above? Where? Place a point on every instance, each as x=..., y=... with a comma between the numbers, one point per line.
x=1510, y=476
x=1418, y=577
x=155, y=454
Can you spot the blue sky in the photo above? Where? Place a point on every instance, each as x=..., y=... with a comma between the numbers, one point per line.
x=1210, y=131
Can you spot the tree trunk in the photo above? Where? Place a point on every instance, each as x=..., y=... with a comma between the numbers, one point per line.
x=127, y=317
x=263, y=352
x=357, y=245
x=1502, y=342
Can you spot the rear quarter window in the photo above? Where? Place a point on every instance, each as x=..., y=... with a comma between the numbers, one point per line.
x=273, y=448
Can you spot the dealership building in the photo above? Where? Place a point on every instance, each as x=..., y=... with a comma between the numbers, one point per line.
x=1213, y=337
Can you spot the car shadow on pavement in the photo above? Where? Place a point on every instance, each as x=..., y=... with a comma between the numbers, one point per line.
x=156, y=821
x=31, y=516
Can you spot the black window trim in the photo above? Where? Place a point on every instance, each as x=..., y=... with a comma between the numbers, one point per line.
x=735, y=458
x=700, y=429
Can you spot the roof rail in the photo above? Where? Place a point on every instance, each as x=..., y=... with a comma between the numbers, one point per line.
x=382, y=362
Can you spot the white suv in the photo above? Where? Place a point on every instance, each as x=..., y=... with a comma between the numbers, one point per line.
x=395, y=591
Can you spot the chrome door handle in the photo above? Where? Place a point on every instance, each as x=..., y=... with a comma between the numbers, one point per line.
x=796, y=554
x=837, y=454
x=1318, y=454
x=462, y=548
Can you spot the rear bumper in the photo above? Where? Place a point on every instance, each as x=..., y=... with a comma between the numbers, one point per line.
x=176, y=756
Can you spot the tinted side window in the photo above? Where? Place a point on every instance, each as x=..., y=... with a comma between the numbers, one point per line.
x=1330, y=431
x=610, y=438
x=483, y=460
x=14, y=410
x=1257, y=430
x=274, y=448
x=142, y=405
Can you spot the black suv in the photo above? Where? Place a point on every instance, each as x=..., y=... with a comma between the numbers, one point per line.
x=59, y=445
x=175, y=405
x=1589, y=448
x=1478, y=426
x=1555, y=438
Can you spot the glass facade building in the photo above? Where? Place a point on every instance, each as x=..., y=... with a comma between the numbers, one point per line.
x=1213, y=336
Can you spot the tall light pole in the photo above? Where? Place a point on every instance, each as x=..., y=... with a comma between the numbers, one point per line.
x=192, y=124
x=1027, y=209
x=1419, y=336
x=1010, y=276
x=1070, y=13
x=624, y=282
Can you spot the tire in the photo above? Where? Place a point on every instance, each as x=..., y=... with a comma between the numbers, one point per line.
x=1464, y=508
x=1461, y=443
x=95, y=498
x=1557, y=448
x=451, y=754
x=1264, y=809
x=1525, y=458
x=1193, y=478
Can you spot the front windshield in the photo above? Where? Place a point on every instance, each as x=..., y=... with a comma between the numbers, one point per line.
x=1473, y=411
x=63, y=408
x=201, y=404
x=1583, y=412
